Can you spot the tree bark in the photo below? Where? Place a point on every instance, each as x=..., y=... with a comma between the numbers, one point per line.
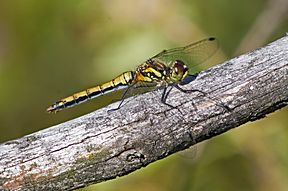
x=103, y=145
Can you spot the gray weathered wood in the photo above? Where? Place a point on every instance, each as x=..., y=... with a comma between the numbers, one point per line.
x=101, y=146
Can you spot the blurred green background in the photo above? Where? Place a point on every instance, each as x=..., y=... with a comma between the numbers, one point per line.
x=50, y=49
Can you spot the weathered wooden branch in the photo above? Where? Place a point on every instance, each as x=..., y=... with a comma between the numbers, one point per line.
x=101, y=146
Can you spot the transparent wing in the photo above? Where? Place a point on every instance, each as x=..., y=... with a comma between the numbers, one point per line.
x=192, y=55
x=143, y=87
x=137, y=89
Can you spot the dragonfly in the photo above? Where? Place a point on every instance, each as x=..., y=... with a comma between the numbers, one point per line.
x=168, y=69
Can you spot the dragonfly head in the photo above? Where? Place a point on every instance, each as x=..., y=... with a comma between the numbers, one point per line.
x=178, y=71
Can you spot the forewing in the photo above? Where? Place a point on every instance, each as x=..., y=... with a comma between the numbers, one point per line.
x=192, y=55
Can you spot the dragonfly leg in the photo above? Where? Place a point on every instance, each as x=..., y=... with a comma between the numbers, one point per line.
x=165, y=95
x=218, y=103
x=190, y=91
x=122, y=98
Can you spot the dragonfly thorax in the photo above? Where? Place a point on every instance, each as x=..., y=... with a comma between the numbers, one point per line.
x=157, y=71
x=178, y=71
x=152, y=71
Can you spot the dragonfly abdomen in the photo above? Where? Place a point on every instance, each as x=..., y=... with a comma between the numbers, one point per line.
x=117, y=83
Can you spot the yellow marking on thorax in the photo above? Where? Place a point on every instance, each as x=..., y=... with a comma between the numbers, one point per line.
x=152, y=70
x=141, y=78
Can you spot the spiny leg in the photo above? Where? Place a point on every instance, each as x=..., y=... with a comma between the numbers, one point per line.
x=165, y=95
x=134, y=86
x=204, y=94
x=189, y=91
x=122, y=98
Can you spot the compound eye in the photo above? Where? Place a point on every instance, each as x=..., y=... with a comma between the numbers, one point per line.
x=179, y=67
x=178, y=71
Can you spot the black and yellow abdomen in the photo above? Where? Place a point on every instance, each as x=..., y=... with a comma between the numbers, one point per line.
x=119, y=82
